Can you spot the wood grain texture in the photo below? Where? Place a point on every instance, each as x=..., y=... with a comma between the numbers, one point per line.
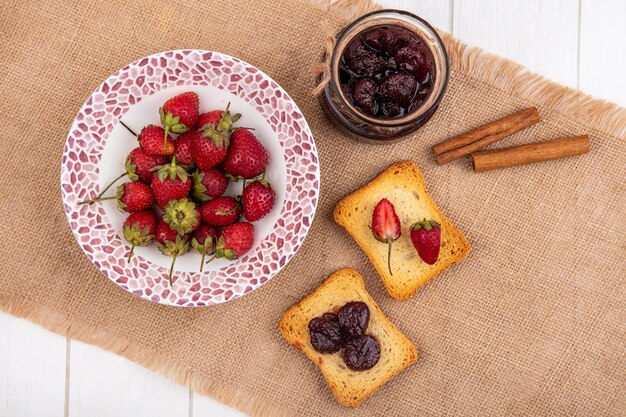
x=603, y=49
x=32, y=369
x=204, y=406
x=542, y=35
x=103, y=384
x=436, y=12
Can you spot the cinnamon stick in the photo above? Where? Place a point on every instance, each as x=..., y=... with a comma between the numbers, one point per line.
x=468, y=142
x=530, y=153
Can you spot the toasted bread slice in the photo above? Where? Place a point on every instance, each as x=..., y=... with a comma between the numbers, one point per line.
x=349, y=387
x=403, y=184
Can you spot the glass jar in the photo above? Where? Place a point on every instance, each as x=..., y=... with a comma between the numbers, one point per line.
x=368, y=126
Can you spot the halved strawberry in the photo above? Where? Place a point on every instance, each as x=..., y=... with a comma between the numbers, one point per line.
x=386, y=226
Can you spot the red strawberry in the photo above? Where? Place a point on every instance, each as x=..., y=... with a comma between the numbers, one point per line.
x=258, y=199
x=386, y=226
x=208, y=184
x=210, y=150
x=131, y=197
x=246, y=156
x=212, y=117
x=171, y=182
x=180, y=113
x=426, y=237
x=151, y=141
x=182, y=215
x=221, y=211
x=207, y=153
x=138, y=166
x=184, y=146
x=203, y=241
x=235, y=240
x=139, y=229
x=170, y=243
x=218, y=121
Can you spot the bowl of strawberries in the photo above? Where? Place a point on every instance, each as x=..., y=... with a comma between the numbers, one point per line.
x=190, y=178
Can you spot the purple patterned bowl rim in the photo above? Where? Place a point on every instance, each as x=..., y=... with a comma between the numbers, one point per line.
x=194, y=289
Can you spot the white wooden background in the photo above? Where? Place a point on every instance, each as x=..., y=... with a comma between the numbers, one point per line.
x=579, y=43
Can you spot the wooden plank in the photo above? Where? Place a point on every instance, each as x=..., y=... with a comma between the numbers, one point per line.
x=204, y=406
x=603, y=49
x=541, y=35
x=104, y=384
x=32, y=369
x=436, y=12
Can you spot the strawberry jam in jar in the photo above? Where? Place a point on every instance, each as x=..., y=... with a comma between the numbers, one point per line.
x=386, y=75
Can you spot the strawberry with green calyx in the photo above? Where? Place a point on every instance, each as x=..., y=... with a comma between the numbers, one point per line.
x=170, y=243
x=203, y=241
x=171, y=182
x=211, y=149
x=131, y=197
x=219, y=128
x=221, y=211
x=386, y=226
x=179, y=113
x=182, y=215
x=246, y=156
x=139, y=229
x=234, y=241
x=426, y=237
x=151, y=141
x=257, y=199
x=208, y=184
x=138, y=167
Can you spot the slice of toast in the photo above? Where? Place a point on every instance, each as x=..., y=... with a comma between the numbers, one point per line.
x=349, y=387
x=403, y=184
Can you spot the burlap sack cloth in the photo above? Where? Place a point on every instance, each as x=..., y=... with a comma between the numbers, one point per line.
x=531, y=323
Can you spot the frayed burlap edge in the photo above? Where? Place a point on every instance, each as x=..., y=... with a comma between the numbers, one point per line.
x=506, y=75
x=474, y=62
x=142, y=355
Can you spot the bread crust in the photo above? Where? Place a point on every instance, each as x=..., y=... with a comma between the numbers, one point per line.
x=350, y=388
x=404, y=176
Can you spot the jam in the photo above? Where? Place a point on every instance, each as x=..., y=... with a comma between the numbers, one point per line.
x=386, y=72
x=354, y=318
x=362, y=353
x=345, y=332
x=325, y=332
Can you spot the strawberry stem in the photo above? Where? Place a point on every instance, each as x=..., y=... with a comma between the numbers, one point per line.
x=244, y=186
x=172, y=268
x=212, y=257
x=98, y=199
x=167, y=129
x=389, y=257
x=110, y=184
x=130, y=254
x=202, y=260
x=128, y=128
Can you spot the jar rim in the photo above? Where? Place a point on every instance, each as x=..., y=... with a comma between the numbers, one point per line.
x=410, y=117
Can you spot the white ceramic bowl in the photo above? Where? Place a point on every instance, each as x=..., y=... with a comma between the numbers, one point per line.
x=97, y=146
